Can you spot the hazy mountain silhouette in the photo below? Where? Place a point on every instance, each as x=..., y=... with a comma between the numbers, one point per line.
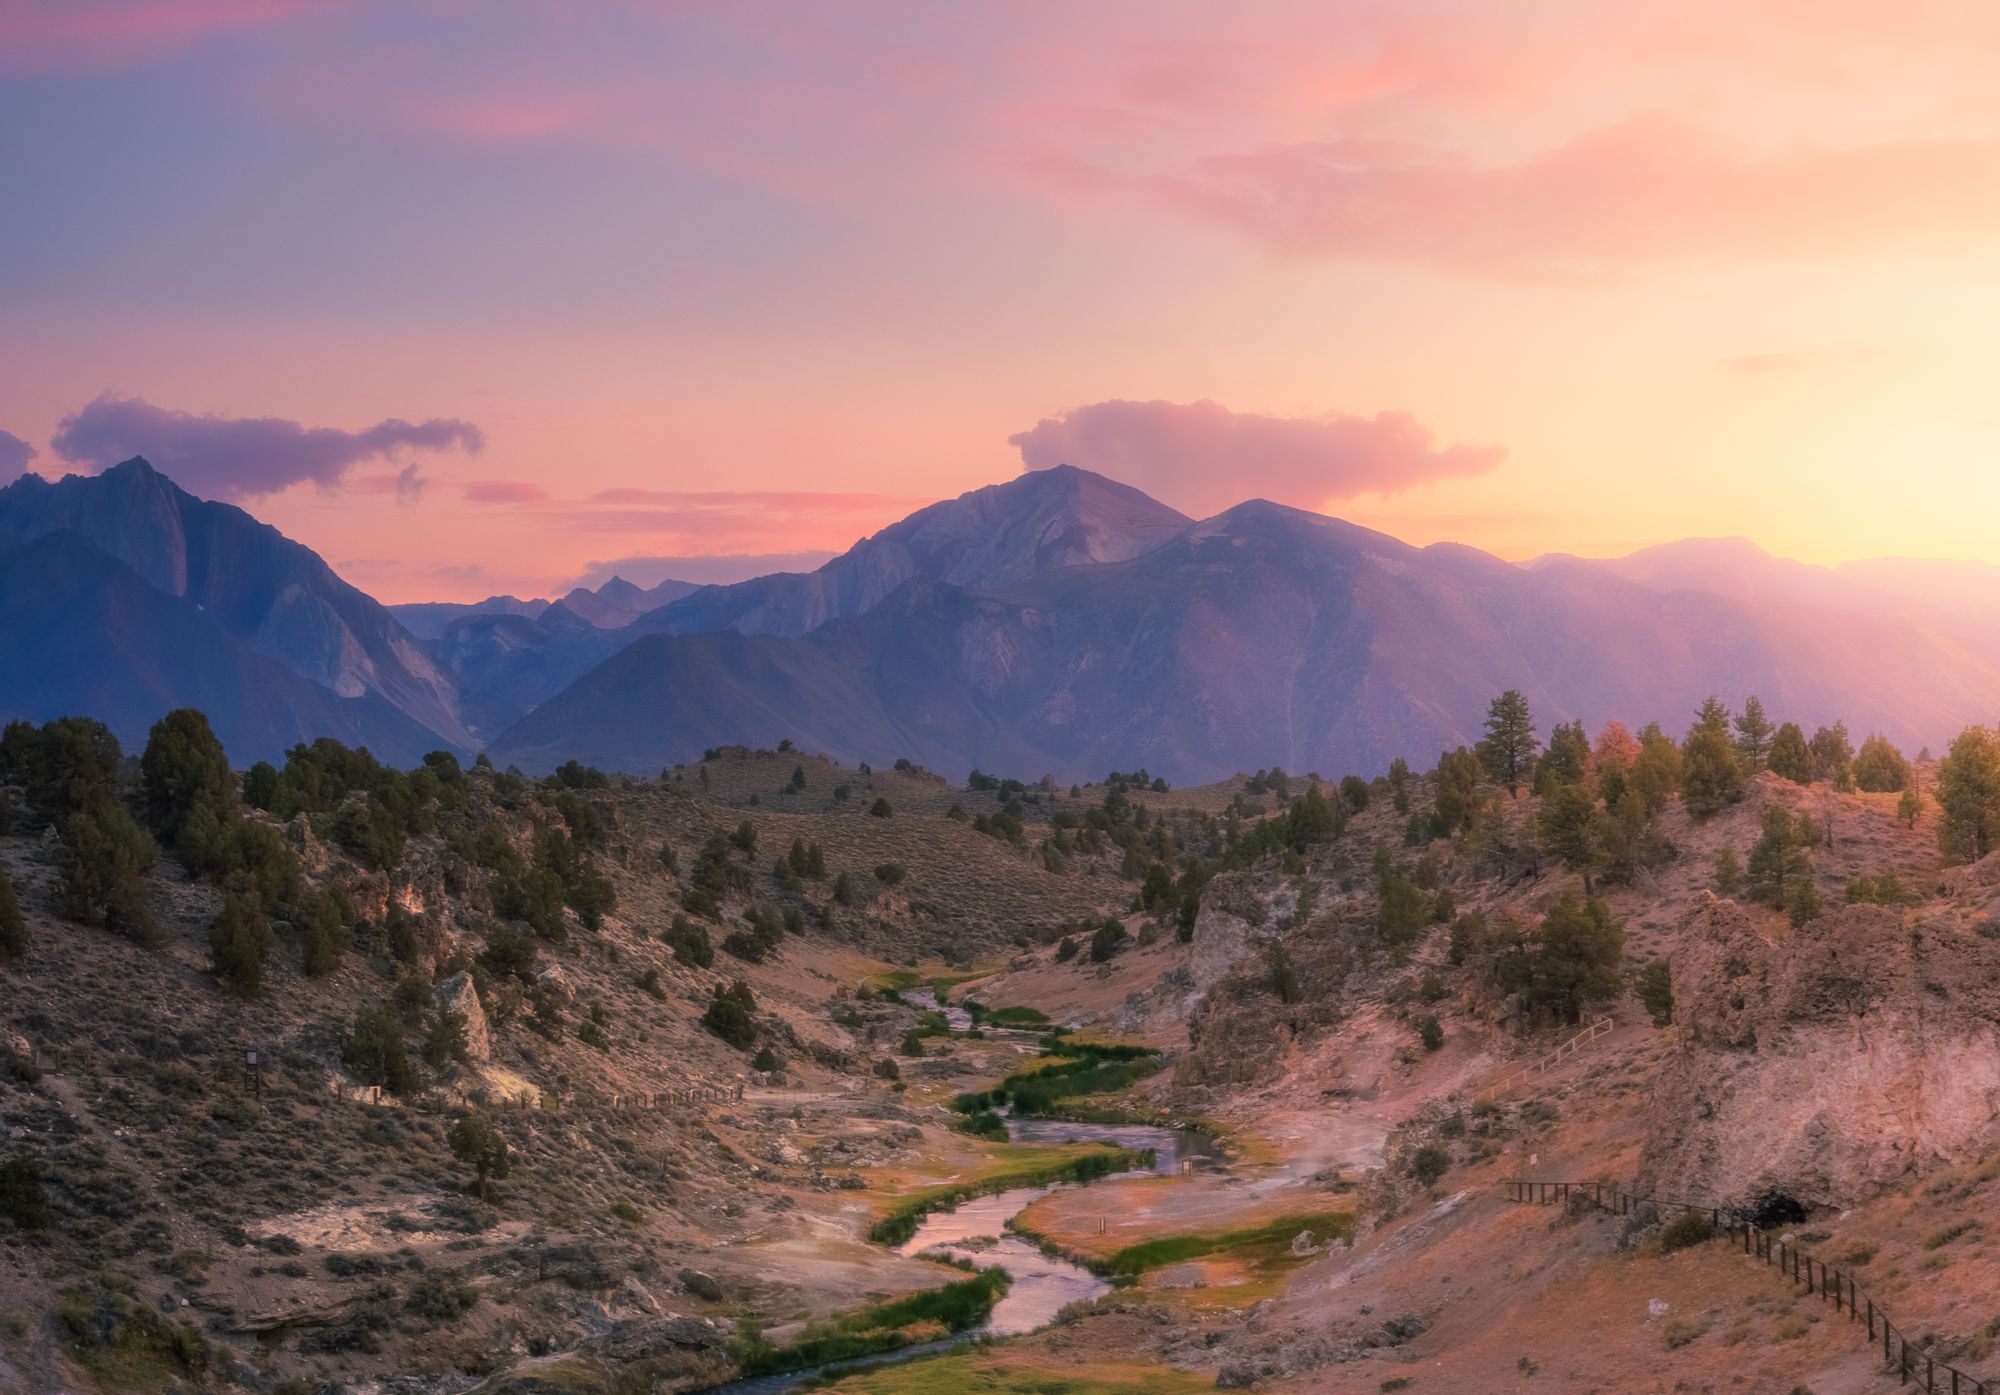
x=1042, y=521
x=429, y=619
x=1059, y=622
x=1262, y=635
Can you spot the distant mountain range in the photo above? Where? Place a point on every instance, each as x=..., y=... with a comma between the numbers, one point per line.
x=1060, y=622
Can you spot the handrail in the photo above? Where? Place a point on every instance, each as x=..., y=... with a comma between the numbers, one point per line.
x=1818, y=1276
x=1548, y=1061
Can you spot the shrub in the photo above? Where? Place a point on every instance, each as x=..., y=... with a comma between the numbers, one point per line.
x=690, y=943
x=1107, y=940
x=729, y=1015
x=509, y=953
x=1654, y=984
x=1679, y=1332
x=1430, y=1032
x=375, y=1052
x=481, y=1147
x=1687, y=1229
x=322, y=918
x=1429, y=1163
x=881, y=809
x=239, y=943
x=13, y=925
x=891, y=873
x=444, y=1040
x=22, y=1200
x=105, y=859
x=746, y=945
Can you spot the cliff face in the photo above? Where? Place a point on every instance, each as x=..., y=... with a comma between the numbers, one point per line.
x=1830, y=1063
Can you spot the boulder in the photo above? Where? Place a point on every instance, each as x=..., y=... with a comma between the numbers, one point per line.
x=457, y=994
x=701, y=1285
x=553, y=981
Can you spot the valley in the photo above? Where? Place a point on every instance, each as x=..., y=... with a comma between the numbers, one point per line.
x=780, y=1080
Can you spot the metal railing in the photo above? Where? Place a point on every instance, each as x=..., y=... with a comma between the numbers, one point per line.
x=1827, y=1281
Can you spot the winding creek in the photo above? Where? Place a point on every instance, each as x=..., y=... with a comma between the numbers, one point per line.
x=976, y=1230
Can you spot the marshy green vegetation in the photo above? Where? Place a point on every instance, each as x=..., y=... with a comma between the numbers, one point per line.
x=1260, y=1244
x=880, y=1327
x=1068, y=1070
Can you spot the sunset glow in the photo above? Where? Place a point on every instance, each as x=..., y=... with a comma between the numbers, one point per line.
x=492, y=297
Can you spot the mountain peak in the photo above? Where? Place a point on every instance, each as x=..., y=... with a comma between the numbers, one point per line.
x=1036, y=522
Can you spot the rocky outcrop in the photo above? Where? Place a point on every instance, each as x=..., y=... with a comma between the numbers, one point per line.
x=458, y=995
x=1828, y=1063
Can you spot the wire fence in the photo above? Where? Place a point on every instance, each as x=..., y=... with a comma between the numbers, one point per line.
x=1826, y=1281
x=1543, y=1064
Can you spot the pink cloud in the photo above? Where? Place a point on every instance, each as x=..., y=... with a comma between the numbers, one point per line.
x=407, y=484
x=1644, y=191
x=1202, y=457
x=93, y=33
x=503, y=492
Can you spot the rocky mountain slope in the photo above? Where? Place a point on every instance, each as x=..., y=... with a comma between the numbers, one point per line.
x=272, y=595
x=82, y=632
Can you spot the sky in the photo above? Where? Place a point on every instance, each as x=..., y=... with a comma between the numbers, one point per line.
x=480, y=296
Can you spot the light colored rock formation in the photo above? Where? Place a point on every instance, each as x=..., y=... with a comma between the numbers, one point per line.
x=1829, y=1063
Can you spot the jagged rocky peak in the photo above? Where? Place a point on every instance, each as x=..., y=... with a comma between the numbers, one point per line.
x=1044, y=519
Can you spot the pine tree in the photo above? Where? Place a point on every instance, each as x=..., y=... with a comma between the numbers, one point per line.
x=184, y=766
x=1968, y=795
x=1728, y=871
x=1753, y=734
x=1911, y=806
x=1806, y=903
x=1399, y=784
x=1712, y=772
x=1508, y=751
x=1566, y=825
x=1458, y=775
x=1833, y=756
x=1880, y=767
x=1712, y=716
x=1777, y=858
x=1657, y=770
x=1790, y=756
x=1567, y=760
x=1654, y=987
